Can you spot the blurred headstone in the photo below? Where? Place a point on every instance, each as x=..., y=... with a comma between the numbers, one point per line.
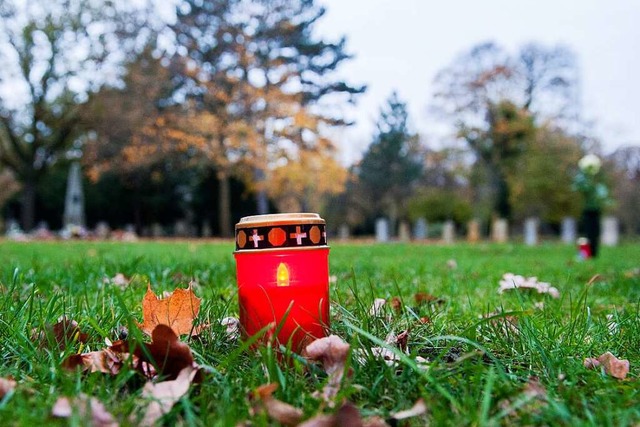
x=343, y=232
x=448, y=232
x=181, y=228
x=473, y=231
x=42, y=232
x=568, y=230
x=129, y=234
x=382, y=230
x=531, y=231
x=74, y=199
x=610, y=231
x=102, y=230
x=404, y=233
x=156, y=230
x=206, y=230
x=14, y=232
x=420, y=229
x=500, y=230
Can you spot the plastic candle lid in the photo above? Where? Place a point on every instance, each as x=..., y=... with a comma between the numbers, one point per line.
x=273, y=231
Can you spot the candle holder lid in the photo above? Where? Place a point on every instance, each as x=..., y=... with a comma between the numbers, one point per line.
x=287, y=230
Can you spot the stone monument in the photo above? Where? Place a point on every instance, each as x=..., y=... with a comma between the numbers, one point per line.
x=74, y=199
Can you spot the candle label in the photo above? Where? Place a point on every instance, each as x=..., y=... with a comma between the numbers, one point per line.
x=281, y=236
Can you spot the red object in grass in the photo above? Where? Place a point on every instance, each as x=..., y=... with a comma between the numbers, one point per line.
x=283, y=277
x=584, y=248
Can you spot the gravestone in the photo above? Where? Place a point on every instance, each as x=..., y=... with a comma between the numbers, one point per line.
x=610, y=231
x=102, y=230
x=420, y=229
x=403, y=232
x=74, y=199
x=156, y=230
x=181, y=228
x=343, y=232
x=448, y=232
x=531, y=231
x=206, y=230
x=14, y=232
x=473, y=231
x=500, y=230
x=382, y=230
x=568, y=230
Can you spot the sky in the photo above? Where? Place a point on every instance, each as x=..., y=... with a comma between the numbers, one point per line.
x=402, y=44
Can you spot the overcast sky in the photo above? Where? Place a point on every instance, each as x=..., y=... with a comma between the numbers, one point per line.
x=402, y=44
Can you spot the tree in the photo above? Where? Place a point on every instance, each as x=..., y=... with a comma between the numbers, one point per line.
x=496, y=100
x=392, y=164
x=53, y=54
x=255, y=66
x=625, y=163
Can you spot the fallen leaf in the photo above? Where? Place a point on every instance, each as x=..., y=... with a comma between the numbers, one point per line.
x=232, y=325
x=7, y=385
x=109, y=360
x=452, y=264
x=87, y=408
x=418, y=408
x=61, y=334
x=163, y=395
x=332, y=351
x=279, y=411
x=514, y=281
x=177, y=310
x=423, y=298
x=376, y=308
x=166, y=353
x=347, y=416
x=617, y=368
x=119, y=280
x=396, y=304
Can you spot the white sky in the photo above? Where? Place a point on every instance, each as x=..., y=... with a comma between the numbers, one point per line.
x=402, y=44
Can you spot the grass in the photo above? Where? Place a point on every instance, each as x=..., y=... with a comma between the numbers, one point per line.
x=480, y=372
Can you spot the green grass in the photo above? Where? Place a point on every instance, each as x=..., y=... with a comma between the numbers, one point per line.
x=478, y=371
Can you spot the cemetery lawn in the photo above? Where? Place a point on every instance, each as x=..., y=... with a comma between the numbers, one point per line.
x=524, y=366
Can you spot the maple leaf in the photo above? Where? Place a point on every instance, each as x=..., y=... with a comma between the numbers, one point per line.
x=7, y=385
x=166, y=353
x=282, y=412
x=423, y=298
x=617, y=368
x=163, y=395
x=88, y=409
x=177, y=311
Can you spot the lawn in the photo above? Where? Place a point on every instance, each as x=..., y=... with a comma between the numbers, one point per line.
x=492, y=359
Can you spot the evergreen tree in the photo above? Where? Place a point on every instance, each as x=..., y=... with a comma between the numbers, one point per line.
x=392, y=165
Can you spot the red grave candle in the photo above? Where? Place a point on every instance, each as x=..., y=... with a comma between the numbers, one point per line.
x=283, y=276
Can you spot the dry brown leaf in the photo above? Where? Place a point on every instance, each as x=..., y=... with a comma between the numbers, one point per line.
x=347, y=416
x=178, y=310
x=282, y=412
x=109, y=360
x=163, y=395
x=423, y=298
x=7, y=385
x=87, y=408
x=396, y=304
x=617, y=368
x=376, y=309
x=64, y=332
x=332, y=351
x=167, y=354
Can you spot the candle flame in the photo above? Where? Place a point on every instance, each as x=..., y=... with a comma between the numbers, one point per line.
x=282, y=275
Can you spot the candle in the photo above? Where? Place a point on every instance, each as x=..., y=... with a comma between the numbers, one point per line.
x=283, y=277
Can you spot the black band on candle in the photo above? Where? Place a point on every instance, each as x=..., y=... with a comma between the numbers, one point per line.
x=281, y=236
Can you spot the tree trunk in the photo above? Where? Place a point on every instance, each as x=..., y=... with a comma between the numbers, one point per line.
x=224, y=205
x=28, y=204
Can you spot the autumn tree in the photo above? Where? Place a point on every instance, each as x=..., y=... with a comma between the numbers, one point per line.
x=392, y=164
x=254, y=68
x=496, y=99
x=53, y=54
